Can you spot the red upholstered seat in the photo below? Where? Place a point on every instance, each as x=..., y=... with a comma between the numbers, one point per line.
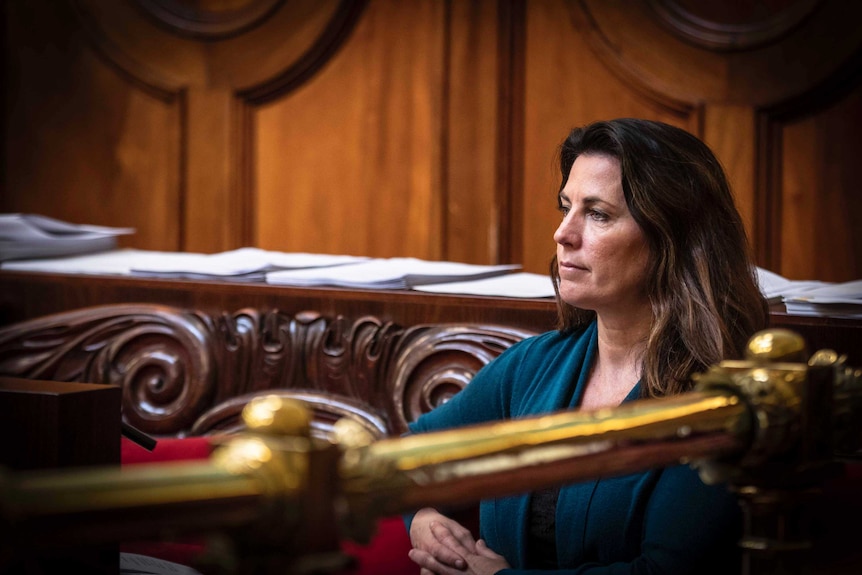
x=386, y=554
x=186, y=449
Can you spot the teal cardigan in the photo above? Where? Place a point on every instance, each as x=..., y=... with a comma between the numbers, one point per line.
x=658, y=521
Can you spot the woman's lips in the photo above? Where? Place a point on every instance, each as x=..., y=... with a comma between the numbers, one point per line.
x=570, y=269
x=571, y=266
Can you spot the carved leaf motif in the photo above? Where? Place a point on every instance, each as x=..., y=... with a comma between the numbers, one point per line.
x=158, y=355
x=434, y=362
x=183, y=371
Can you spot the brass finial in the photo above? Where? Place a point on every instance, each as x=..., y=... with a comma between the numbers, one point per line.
x=777, y=345
x=278, y=416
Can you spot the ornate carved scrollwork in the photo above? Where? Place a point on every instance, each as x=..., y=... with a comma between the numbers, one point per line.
x=433, y=363
x=160, y=356
x=191, y=372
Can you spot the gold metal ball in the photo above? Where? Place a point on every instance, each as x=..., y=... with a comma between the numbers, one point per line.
x=777, y=345
x=277, y=415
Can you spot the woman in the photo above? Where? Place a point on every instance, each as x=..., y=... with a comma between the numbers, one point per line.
x=654, y=283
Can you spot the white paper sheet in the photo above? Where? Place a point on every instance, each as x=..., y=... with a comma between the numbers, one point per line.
x=114, y=262
x=239, y=262
x=136, y=564
x=387, y=273
x=520, y=285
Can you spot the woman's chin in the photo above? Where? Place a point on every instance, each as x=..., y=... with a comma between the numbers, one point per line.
x=572, y=297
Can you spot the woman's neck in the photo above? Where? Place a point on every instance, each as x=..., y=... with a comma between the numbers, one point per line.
x=617, y=366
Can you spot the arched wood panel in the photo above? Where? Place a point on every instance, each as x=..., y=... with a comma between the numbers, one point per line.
x=150, y=128
x=351, y=161
x=81, y=143
x=424, y=128
x=723, y=80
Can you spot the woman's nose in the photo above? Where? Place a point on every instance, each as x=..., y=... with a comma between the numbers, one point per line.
x=566, y=234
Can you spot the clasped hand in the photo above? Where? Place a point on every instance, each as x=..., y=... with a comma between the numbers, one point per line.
x=442, y=546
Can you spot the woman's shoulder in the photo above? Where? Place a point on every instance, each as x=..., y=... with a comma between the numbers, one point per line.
x=537, y=350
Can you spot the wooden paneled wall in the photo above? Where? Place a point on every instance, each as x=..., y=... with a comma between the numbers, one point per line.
x=426, y=128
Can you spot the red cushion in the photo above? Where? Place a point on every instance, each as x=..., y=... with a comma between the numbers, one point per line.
x=168, y=449
x=386, y=554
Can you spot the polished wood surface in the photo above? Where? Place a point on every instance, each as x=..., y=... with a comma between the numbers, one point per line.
x=31, y=295
x=426, y=128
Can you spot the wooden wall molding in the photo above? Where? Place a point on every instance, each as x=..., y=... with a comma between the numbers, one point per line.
x=290, y=39
x=510, y=144
x=210, y=22
x=188, y=371
x=424, y=128
x=327, y=44
x=590, y=19
x=764, y=25
x=197, y=59
x=635, y=42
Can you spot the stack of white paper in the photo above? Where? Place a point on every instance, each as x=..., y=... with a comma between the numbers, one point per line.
x=776, y=288
x=389, y=273
x=244, y=264
x=27, y=236
x=835, y=300
x=137, y=564
x=812, y=297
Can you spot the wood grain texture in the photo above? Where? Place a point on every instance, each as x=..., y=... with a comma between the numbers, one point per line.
x=731, y=132
x=350, y=163
x=82, y=144
x=821, y=205
x=472, y=196
x=425, y=129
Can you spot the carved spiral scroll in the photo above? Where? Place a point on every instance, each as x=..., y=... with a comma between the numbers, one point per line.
x=184, y=371
x=158, y=355
x=433, y=363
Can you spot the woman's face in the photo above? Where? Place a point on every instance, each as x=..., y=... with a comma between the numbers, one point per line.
x=602, y=252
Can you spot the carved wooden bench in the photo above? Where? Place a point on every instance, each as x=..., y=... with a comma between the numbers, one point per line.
x=188, y=372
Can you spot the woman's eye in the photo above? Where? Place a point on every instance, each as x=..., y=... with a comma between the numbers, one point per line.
x=597, y=215
x=564, y=209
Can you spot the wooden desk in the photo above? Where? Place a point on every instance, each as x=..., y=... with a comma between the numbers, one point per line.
x=189, y=354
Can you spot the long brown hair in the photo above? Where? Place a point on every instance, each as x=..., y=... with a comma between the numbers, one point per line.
x=702, y=284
